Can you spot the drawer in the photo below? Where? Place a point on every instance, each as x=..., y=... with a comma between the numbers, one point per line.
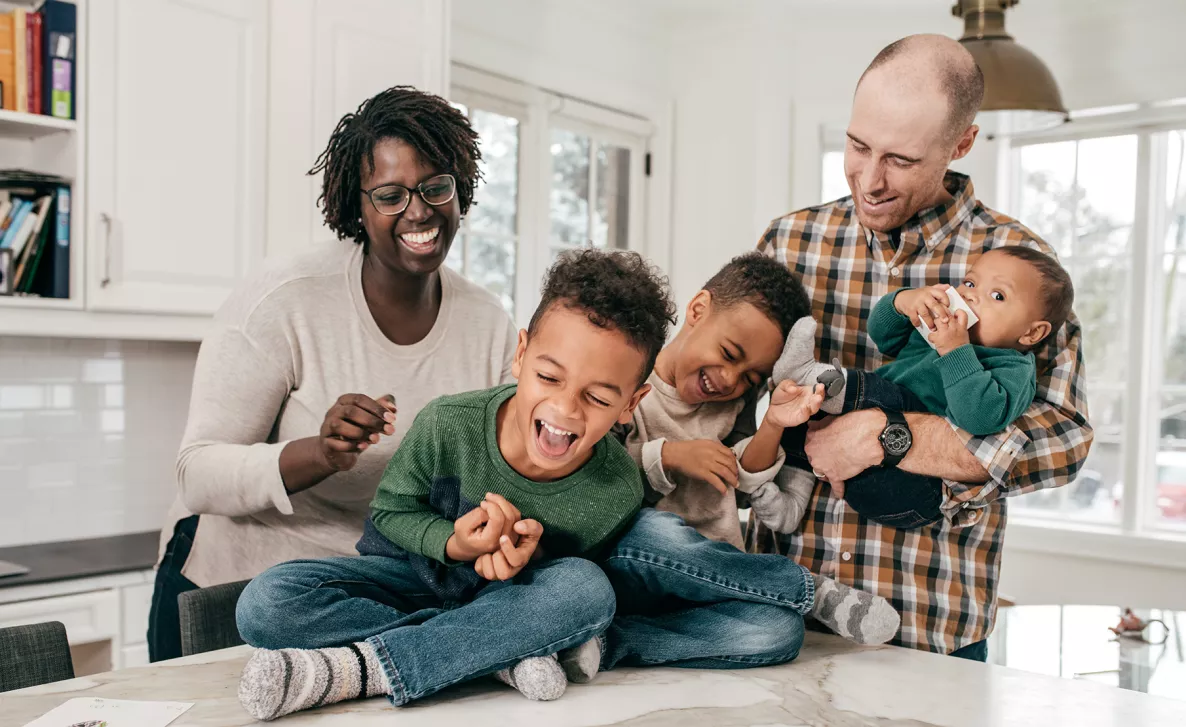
x=88, y=617
x=137, y=601
x=133, y=656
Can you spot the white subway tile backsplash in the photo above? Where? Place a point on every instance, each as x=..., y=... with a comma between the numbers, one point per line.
x=75, y=460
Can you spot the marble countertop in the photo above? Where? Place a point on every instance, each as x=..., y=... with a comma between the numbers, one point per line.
x=832, y=683
x=81, y=558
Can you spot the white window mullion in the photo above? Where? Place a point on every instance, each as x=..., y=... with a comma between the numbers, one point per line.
x=1140, y=439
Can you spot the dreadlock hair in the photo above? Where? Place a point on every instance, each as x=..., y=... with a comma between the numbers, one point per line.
x=439, y=133
x=617, y=291
x=763, y=283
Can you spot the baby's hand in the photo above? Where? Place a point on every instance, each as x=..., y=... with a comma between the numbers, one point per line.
x=925, y=305
x=951, y=333
x=791, y=404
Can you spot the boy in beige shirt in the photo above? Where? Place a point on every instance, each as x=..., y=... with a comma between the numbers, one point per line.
x=692, y=434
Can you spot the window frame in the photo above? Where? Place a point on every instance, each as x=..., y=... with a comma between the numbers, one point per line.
x=539, y=111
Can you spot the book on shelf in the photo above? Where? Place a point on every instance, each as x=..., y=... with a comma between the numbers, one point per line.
x=38, y=59
x=35, y=237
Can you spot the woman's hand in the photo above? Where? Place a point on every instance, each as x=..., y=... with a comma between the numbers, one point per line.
x=352, y=424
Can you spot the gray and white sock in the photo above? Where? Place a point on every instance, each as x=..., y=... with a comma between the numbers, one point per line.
x=279, y=682
x=798, y=364
x=581, y=663
x=539, y=678
x=856, y=615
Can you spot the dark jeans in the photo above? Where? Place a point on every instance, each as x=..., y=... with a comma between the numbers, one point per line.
x=886, y=495
x=972, y=652
x=164, y=624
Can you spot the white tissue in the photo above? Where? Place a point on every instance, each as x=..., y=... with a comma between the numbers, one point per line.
x=956, y=303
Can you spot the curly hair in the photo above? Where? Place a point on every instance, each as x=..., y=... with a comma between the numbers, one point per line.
x=616, y=290
x=763, y=283
x=1058, y=292
x=439, y=133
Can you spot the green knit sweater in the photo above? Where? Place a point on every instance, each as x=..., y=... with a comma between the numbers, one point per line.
x=449, y=460
x=982, y=390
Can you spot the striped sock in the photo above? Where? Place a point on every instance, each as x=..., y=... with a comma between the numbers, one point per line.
x=856, y=615
x=276, y=683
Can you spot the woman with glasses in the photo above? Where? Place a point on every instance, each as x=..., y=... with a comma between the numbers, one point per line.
x=317, y=366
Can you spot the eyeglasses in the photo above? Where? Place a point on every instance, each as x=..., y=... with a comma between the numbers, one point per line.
x=392, y=199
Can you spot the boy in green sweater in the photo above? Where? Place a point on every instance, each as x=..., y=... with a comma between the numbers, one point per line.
x=453, y=581
x=980, y=378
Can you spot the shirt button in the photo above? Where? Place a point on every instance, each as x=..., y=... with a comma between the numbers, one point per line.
x=895, y=272
x=846, y=556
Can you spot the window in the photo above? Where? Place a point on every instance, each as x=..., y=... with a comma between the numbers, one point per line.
x=1080, y=196
x=1112, y=203
x=558, y=174
x=833, y=184
x=487, y=243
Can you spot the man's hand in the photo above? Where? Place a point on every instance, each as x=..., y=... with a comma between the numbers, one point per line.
x=702, y=459
x=948, y=335
x=791, y=404
x=509, y=559
x=842, y=447
x=925, y=305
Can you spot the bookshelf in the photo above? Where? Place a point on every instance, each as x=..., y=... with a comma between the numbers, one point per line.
x=57, y=146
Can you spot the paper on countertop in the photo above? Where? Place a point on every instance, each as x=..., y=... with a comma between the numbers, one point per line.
x=956, y=303
x=95, y=712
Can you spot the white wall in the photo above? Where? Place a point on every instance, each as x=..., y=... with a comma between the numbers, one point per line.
x=89, y=432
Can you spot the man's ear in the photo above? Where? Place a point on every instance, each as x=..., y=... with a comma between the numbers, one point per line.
x=966, y=140
x=520, y=352
x=698, y=308
x=1035, y=334
x=628, y=413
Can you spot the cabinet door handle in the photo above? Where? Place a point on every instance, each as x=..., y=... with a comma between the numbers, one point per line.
x=106, y=221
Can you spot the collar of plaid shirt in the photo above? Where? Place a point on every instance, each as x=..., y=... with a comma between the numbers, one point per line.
x=941, y=578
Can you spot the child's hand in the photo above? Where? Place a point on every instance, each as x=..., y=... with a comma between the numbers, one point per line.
x=509, y=511
x=951, y=334
x=791, y=404
x=509, y=559
x=925, y=305
x=477, y=532
x=702, y=459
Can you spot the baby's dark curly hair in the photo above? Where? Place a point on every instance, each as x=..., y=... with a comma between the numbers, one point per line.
x=617, y=290
x=439, y=133
x=763, y=283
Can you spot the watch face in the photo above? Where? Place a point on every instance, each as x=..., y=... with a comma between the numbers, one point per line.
x=896, y=439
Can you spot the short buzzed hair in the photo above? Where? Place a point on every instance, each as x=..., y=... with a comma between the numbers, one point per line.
x=962, y=84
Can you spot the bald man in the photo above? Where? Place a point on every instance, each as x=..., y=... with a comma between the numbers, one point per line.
x=911, y=222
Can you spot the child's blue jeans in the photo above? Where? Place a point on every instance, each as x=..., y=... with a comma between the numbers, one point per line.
x=423, y=643
x=886, y=495
x=687, y=601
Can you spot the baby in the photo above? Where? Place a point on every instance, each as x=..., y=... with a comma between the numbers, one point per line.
x=980, y=378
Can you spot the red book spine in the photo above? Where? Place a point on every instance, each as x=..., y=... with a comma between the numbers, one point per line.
x=35, y=70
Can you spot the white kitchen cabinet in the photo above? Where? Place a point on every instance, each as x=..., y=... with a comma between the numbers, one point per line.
x=177, y=118
x=328, y=56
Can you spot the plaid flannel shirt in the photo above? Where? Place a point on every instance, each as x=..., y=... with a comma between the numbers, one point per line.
x=941, y=578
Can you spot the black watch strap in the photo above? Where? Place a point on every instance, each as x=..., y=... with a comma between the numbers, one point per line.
x=898, y=430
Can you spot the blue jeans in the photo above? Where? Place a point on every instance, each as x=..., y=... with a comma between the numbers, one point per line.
x=688, y=601
x=886, y=495
x=425, y=644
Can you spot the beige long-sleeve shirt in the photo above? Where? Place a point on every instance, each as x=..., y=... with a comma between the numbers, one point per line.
x=284, y=347
x=663, y=416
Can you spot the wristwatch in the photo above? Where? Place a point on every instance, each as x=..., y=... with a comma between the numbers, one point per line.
x=895, y=438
